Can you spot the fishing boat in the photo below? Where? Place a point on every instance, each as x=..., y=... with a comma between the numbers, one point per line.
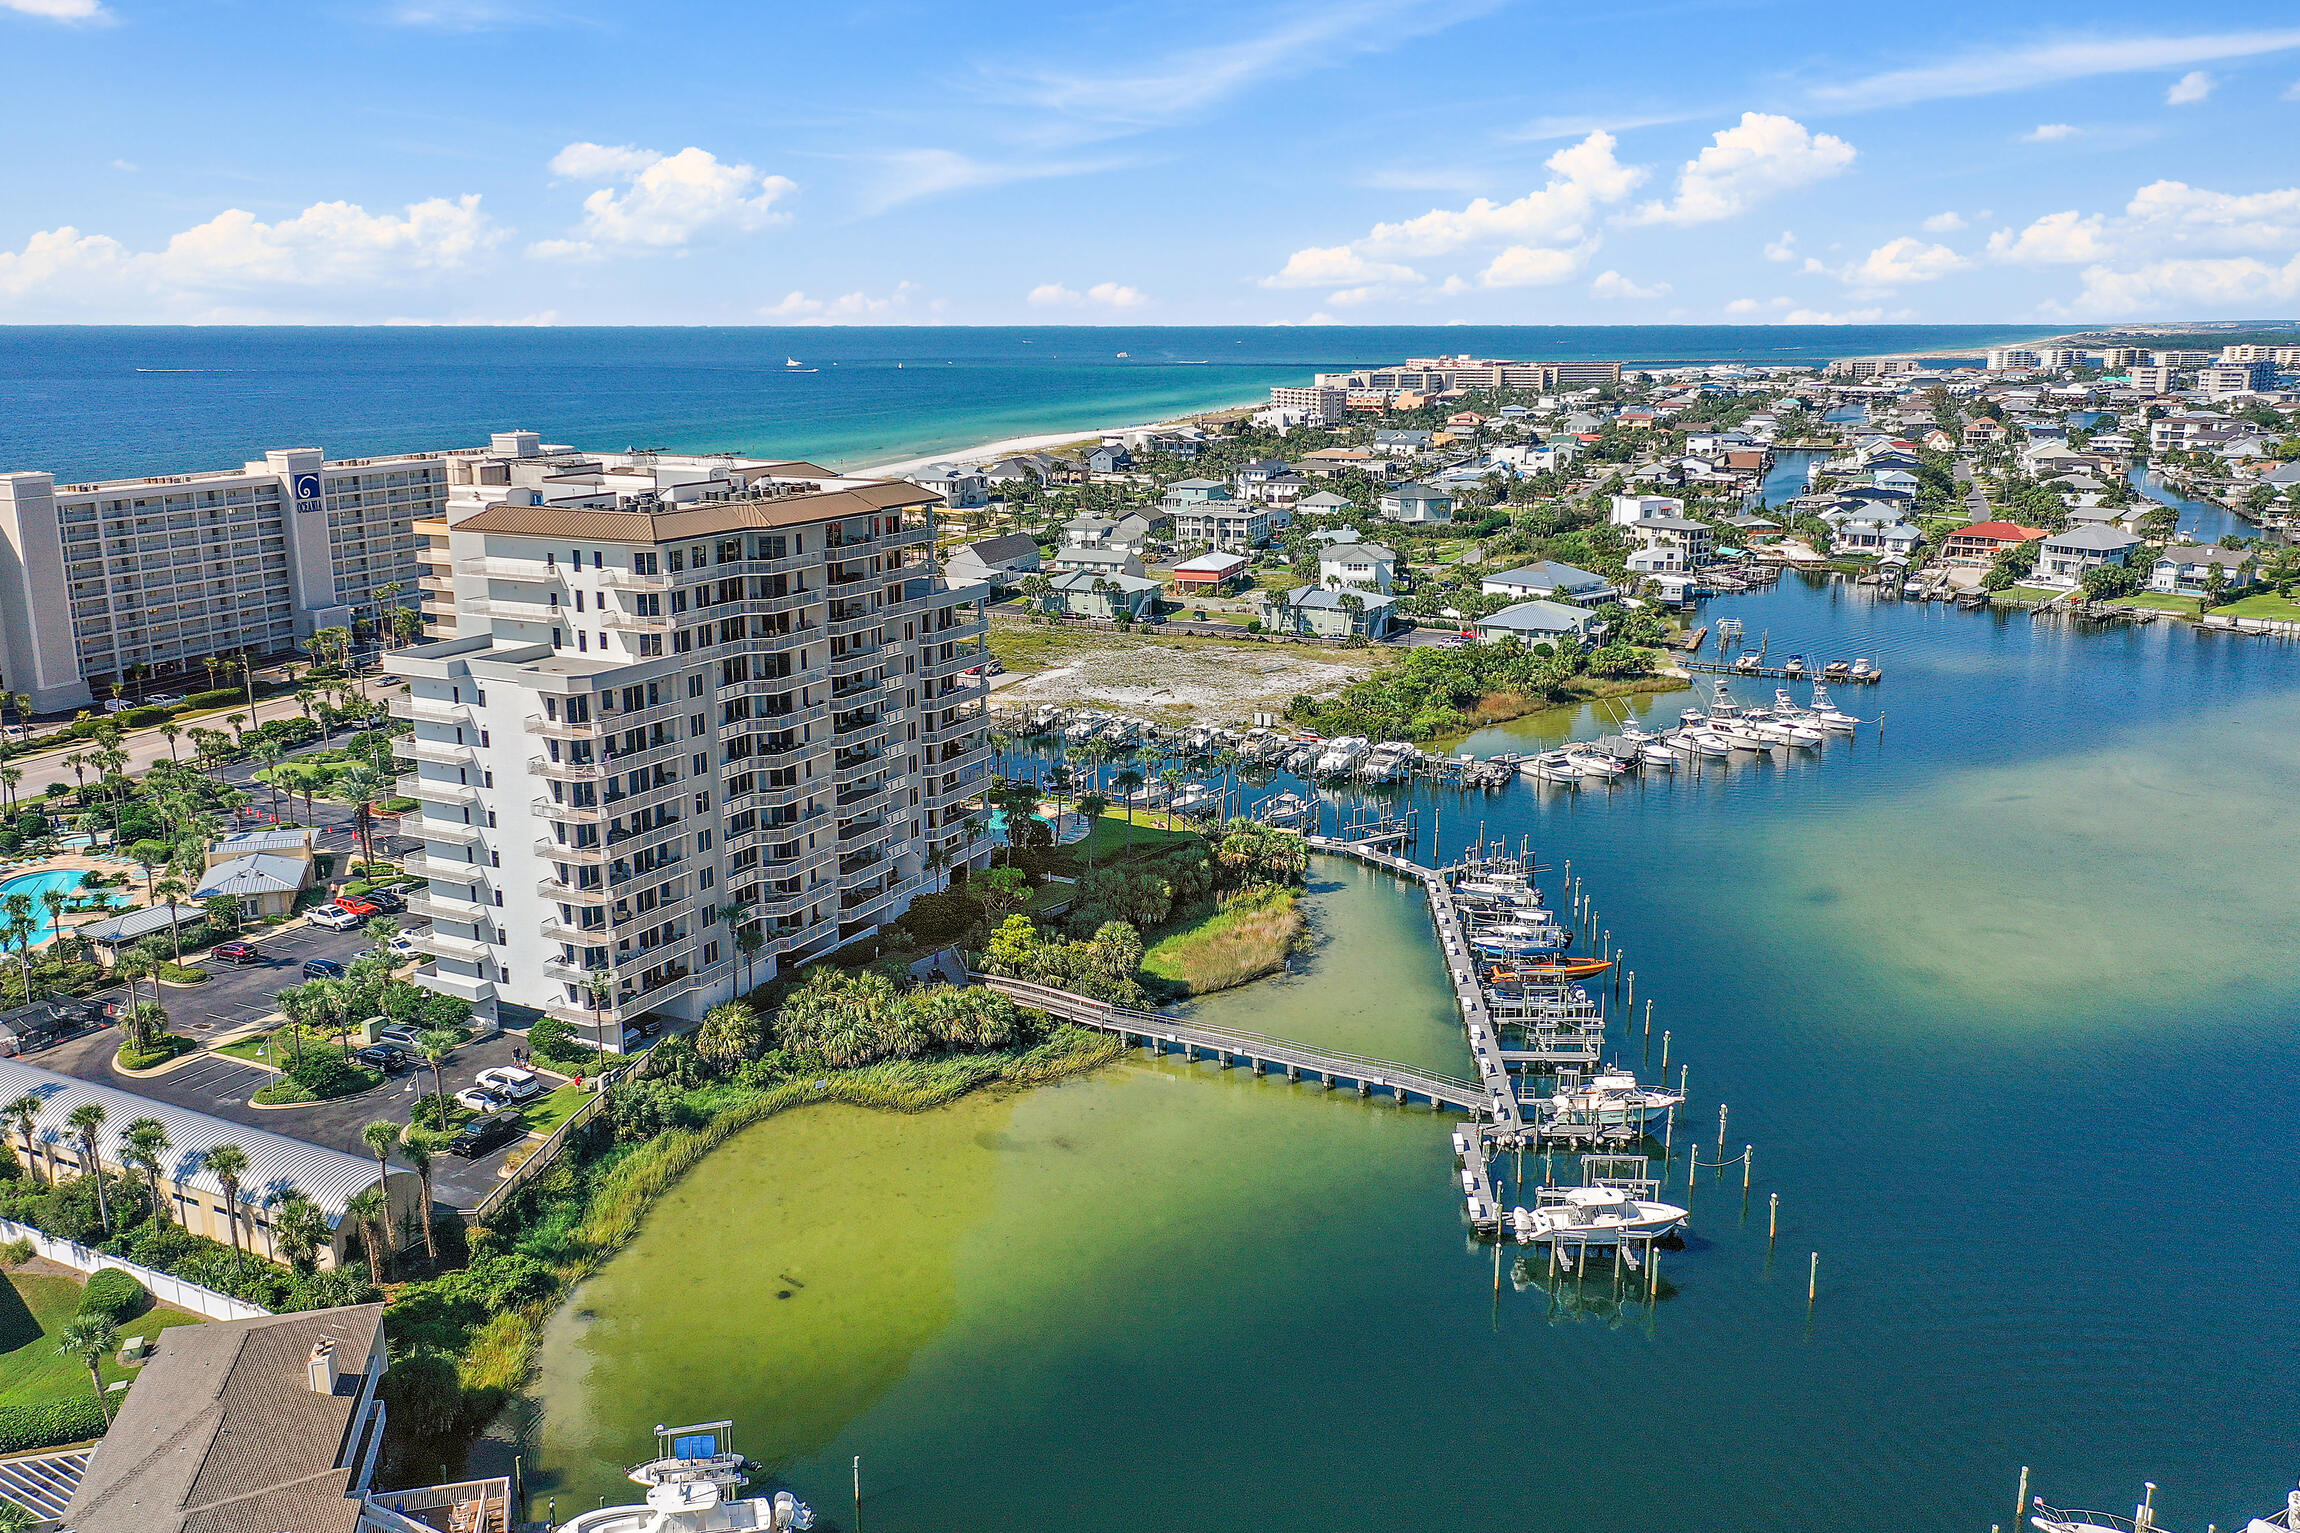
x=1829, y=716
x=1863, y=670
x=1795, y=667
x=693, y=1486
x=1748, y=662
x=1592, y=1216
x=1659, y=755
x=1286, y=809
x=1594, y=763
x=1551, y=766
x=1564, y=968
x=1611, y=1098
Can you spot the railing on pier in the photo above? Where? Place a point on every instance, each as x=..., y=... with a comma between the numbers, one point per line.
x=1153, y=1027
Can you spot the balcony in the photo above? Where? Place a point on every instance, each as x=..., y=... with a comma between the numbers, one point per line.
x=441, y=946
x=443, y=584
x=435, y=790
x=569, y=814
x=848, y=627
x=636, y=622
x=580, y=856
x=514, y=609
x=433, y=907
x=570, y=894
x=426, y=710
x=566, y=771
x=437, y=752
x=452, y=832
x=417, y=865
x=556, y=930
x=561, y=729
x=466, y=987
x=511, y=569
x=631, y=580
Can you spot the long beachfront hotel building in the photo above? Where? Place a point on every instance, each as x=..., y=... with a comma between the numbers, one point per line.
x=162, y=571
x=689, y=720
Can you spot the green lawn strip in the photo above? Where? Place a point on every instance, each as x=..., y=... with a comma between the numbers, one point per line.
x=1110, y=839
x=2028, y=593
x=2264, y=604
x=1220, y=948
x=553, y=1108
x=254, y=1049
x=34, y=1308
x=2159, y=602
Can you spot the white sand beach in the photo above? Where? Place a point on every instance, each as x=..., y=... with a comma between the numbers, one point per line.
x=989, y=450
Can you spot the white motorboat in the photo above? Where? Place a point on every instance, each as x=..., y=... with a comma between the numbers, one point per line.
x=1551, y=766
x=693, y=1487
x=1657, y=755
x=1592, y=1216
x=1781, y=731
x=1829, y=716
x=1704, y=741
x=1611, y=1098
x=1594, y=763
x=1339, y=756
x=1863, y=668
x=1726, y=724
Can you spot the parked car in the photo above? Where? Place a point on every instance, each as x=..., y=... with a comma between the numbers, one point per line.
x=323, y=968
x=390, y=1058
x=164, y=700
x=512, y=1083
x=482, y=1134
x=400, y=1037
x=359, y=905
x=334, y=917
x=640, y=1031
x=385, y=900
x=479, y=1099
x=237, y=952
x=403, y=945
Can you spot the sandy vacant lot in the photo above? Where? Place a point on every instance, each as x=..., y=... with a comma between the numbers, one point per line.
x=1175, y=680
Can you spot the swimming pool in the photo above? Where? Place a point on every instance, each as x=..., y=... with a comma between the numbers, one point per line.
x=34, y=884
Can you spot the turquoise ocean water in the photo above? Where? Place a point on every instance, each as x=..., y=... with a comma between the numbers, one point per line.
x=101, y=402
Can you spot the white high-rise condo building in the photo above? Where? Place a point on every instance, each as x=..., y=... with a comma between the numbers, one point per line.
x=126, y=578
x=698, y=718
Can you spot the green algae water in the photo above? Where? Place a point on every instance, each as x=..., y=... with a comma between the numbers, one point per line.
x=2003, y=995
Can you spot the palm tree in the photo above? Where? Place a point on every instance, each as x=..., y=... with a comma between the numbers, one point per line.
x=749, y=942
x=381, y=1137
x=599, y=985
x=54, y=900
x=365, y=1213
x=87, y=1121
x=10, y=776
x=171, y=733
x=1129, y=781
x=1090, y=807
x=91, y=1339
x=299, y=1228
x=146, y=1140
x=170, y=890
x=360, y=787
x=229, y=1163
x=24, y=1112
x=438, y=1043
x=145, y=1025
x=415, y=1149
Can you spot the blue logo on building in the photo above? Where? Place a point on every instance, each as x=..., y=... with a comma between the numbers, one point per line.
x=307, y=488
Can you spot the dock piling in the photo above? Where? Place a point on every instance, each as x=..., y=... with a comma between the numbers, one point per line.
x=1772, y=1218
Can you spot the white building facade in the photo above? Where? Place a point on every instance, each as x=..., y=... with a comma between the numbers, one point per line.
x=161, y=571
x=701, y=719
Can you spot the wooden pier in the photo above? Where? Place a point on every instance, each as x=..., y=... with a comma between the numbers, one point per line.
x=1780, y=673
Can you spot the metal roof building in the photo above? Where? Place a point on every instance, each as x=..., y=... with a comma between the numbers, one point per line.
x=276, y=1163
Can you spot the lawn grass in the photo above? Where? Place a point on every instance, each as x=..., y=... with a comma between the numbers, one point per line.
x=2264, y=604
x=2028, y=593
x=2159, y=602
x=255, y=1049
x=33, y=1309
x=1110, y=838
x=553, y=1108
x=1228, y=946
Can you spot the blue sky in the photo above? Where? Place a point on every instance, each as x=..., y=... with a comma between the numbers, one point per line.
x=1358, y=161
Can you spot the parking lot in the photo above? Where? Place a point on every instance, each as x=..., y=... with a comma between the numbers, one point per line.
x=236, y=995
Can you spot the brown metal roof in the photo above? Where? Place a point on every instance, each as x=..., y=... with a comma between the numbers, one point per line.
x=601, y=525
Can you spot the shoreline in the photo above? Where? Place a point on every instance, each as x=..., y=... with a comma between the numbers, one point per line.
x=1006, y=446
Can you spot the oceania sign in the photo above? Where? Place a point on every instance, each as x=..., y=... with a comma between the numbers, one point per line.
x=307, y=492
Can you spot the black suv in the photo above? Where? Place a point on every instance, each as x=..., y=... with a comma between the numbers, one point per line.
x=484, y=1133
x=385, y=901
x=323, y=968
x=390, y=1058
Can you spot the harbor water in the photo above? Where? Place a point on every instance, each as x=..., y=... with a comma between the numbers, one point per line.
x=2002, y=991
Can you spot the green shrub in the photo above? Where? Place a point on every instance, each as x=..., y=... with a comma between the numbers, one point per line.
x=937, y=920
x=24, y=1428
x=115, y=1295
x=164, y=1048
x=324, y=1072
x=145, y=718
x=282, y=1093
x=397, y=805
x=357, y=886
x=183, y=974
x=221, y=697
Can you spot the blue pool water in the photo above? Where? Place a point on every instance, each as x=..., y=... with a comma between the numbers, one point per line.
x=35, y=884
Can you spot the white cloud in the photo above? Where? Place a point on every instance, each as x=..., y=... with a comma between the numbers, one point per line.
x=58, y=10
x=1611, y=284
x=336, y=247
x=911, y=174
x=664, y=200
x=1109, y=295
x=1782, y=249
x=1746, y=306
x=1581, y=178
x=2048, y=133
x=1759, y=157
x=1903, y=260
x=850, y=309
x=129, y=166
x=1324, y=267
x=1581, y=127
x=2010, y=69
x=1943, y=223
x=1535, y=265
x=2190, y=88
x=1153, y=88
x=2175, y=213
x=2057, y=239
x=2187, y=286
x=1845, y=317
x=2291, y=92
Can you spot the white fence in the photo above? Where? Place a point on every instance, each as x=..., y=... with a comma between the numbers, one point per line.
x=167, y=1289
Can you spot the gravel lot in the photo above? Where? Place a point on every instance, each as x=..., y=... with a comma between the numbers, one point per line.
x=1176, y=681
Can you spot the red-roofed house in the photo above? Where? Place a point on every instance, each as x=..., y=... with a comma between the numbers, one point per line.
x=1980, y=543
x=1210, y=572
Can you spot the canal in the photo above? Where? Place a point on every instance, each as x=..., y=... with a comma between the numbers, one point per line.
x=2002, y=992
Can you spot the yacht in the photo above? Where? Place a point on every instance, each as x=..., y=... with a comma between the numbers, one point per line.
x=1551, y=766
x=1862, y=669
x=1340, y=755
x=1658, y=754
x=1726, y=724
x=1826, y=713
x=1594, y=763
x=1783, y=731
x=1748, y=662
x=1795, y=667
x=1591, y=1216
x=694, y=1486
x=1836, y=670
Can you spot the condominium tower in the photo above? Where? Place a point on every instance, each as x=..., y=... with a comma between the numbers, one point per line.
x=695, y=719
x=150, y=576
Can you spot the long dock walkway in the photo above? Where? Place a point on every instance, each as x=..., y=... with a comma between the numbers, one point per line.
x=1160, y=1031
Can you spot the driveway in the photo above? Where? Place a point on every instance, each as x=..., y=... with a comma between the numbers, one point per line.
x=236, y=995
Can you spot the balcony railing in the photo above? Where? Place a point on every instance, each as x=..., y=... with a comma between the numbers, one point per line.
x=426, y=710
x=437, y=752
x=630, y=580
x=453, y=832
x=640, y=622
x=570, y=814
x=561, y=729
x=566, y=771
x=560, y=851
x=571, y=894
x=440, y=946
x=437, y=791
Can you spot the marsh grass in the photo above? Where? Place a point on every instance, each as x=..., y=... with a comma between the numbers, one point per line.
x=1247, y=937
